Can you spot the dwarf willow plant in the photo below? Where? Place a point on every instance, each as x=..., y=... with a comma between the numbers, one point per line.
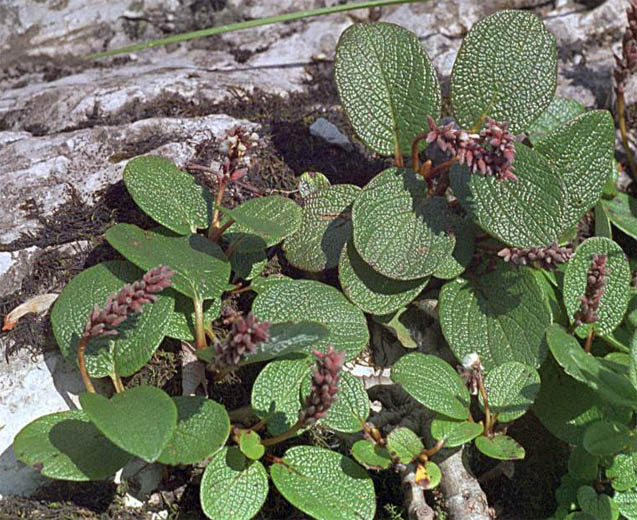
x=481, y=217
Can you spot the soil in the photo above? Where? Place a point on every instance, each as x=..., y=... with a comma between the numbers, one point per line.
x=288, y=151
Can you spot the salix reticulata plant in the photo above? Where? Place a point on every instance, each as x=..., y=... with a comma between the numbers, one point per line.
x=479, y=213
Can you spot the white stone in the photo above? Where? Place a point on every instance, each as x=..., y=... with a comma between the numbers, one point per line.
x=329, y=132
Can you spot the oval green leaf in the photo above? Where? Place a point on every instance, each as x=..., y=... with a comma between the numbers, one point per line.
x=250, y=444
x=370, y=455
x=202, y=270
x=403, y=445
x=233, y=487
x=559, y=111
x=139, y=336
x=312, y=182
x=582, y=465
x=599, y=506
x=428, y=475
x=182, y=320
x=67, y=446
x=454, y=432
x=140, y=421
x=325, y=484
x=433, y=383
x=168, y=195
x=298, y=300
x=202, y=428
x=501, y=447
x=371, y=291
x=527, y=212
x=614, y=301
x=325, y=228
x=506, y=68
x=623, y=471
x=276, y=393
x=272, y=218
x=581, y=151
x=589, y=370
x=626, y=501
x=398, y=230
x=606, y=438
x=512, y=388
x=622, y=211
x=386, y=107
x=501, y=315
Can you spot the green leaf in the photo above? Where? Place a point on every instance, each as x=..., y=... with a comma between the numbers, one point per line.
x=202, y=270
x=324, y=484
x=606, y=437
x=581, y=151
x=456, y=433
x=559, y=111
x=250, y=444
x=285, y=338
x=139, y=336
x=558, y=312
x=202, y=428
x=67, y=446
x=588, y=369
x=603, y=226
x=371, y=291
x=248, y=265
x=623, y=471
x=622, y=211
x=351, y=408
x=398, y=230
x=626, y=501
x=141, y=421
x=512, y=388
x=506, y=68
x=501, y=315
x=276, y=393
x=527, y=212
x=233, y=487
x=168, y=195
x=428, y=475
x=566, y=407
x=433, y=383
x=464, y=233
x=271, y=218
x=403, y=445
x=399, y=324
x=500, y=447
x=325, y=228
x=582, y=465
x=263, y=283
x=600, y=507
x=314, y=301
x=182, y=321
x=614, y=301
x=386, y=107
x=370, y=455
x=312, y=182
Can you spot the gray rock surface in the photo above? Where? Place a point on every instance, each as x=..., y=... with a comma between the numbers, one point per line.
x=65, y=120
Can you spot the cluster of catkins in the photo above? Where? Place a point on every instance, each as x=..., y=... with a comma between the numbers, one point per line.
x=324, y=386
x=238, y=141
x=548, y=257
x=489, y=153
x=130, y=299
x=596, y=281
x=244, y=336
x=627, y=62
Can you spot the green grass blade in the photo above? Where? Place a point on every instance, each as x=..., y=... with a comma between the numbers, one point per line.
x=177, y=38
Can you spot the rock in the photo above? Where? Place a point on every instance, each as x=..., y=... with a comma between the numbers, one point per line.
x=329, y=132
x=14, y=266
x=31, y=388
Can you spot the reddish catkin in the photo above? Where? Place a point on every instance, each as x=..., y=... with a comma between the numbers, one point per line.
x=325, y=379
x=626, y=63
x=489, y=153
x=596, y=281
x=244, y=336
x=548, y=257
x=130, y=299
